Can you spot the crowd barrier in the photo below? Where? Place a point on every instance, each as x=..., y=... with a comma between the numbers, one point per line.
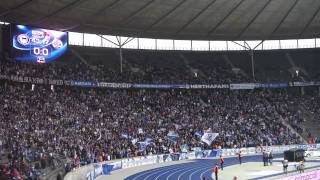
x=106, y=168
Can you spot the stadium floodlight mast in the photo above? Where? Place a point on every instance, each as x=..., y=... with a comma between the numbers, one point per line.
x=120, y=45
x=250, y=50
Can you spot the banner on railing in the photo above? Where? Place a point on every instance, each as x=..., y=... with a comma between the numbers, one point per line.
x=242, y=86
x=233, y=86
x=301, y=84
x=258, y=85
x=271, y=85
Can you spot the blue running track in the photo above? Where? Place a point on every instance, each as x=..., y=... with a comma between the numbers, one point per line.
x=195, y=170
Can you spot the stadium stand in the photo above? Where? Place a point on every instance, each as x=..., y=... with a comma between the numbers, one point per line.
x=146, y=66
x=73, y=93
x=91, y=125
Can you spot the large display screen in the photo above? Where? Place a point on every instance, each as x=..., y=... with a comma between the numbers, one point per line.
x=36, y=44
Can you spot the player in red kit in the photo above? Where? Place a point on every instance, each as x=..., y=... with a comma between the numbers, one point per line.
x=240, y=157
x=221, y=162
x=216, y=170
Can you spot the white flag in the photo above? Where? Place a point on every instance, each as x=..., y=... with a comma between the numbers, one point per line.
x=100, y=135
x=134, y=141
x=140, y=131
x=209, y=137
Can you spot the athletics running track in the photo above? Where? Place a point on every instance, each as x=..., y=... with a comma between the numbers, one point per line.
x=196, y=170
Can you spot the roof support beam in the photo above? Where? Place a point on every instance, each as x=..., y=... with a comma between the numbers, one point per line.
x=258, y=45
x=241, y=45
x=225, y=17
x=119, y=40
x=196, y=16
x=165, y=15
x=118, y=45
x=278, y=26
x=15, y=7
x=283, y=19
x=253, y=19
x=129, y=39
x=103, y=9
x=245, y=42
x=132, y=15
x=310, y=21
x=40, y=20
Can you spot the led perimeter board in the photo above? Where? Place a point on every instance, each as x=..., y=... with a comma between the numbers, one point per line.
x=37, y=44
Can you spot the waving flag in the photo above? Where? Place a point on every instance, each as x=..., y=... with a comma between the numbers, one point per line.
x=134, y=141
x=209, y=137
x=198, y=134
x=173, y=136
x=124, y=135
x=99, y=136
x=184, y=148
x=144, y=144
x=140, y=131
x=148, y=141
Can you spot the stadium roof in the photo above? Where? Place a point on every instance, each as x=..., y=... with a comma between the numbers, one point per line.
x=172, y=19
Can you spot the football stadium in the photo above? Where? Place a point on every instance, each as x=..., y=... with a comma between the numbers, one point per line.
x=159, y=89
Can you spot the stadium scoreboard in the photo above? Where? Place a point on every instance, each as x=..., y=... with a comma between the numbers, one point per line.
x=37, y=44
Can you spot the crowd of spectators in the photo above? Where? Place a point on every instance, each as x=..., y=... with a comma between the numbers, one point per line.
x=90, y=125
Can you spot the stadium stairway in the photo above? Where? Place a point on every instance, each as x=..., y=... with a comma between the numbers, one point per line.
x=227, y=60
x=297, y=107
x=3, y=157
x=294, y=68
x=190, y=68
x=294, y=131
x=127, y=65
x=311, y=126
x=84, y=61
